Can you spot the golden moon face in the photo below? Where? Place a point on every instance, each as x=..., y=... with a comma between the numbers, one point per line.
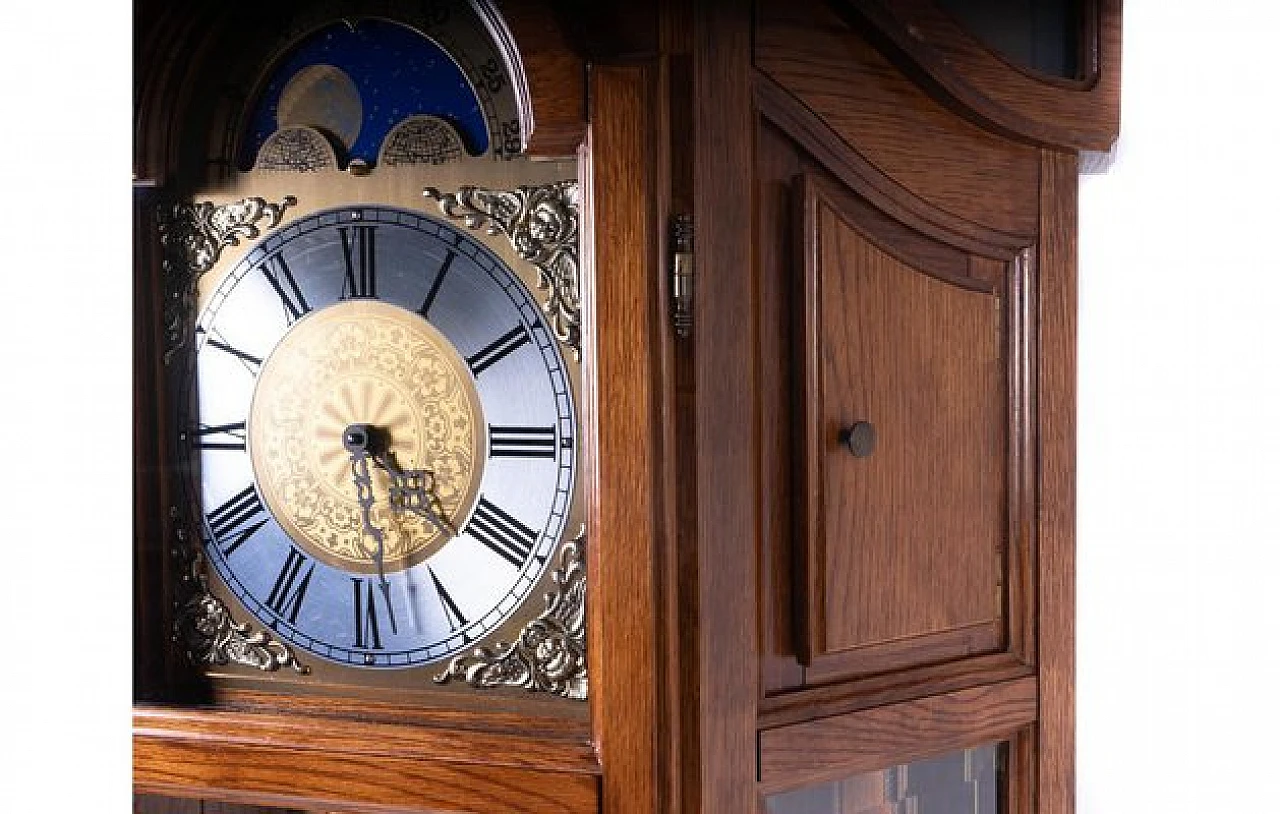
x=364, y=362
x=323, y=97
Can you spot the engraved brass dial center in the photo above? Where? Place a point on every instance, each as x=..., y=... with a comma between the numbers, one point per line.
x=364, y=362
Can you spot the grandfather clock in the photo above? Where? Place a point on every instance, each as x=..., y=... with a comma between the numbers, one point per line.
x=592, y=407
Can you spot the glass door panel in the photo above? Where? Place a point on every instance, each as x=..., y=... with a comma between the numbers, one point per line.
x=964, y=782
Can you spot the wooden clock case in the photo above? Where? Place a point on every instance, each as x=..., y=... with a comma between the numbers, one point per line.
x=884, y=229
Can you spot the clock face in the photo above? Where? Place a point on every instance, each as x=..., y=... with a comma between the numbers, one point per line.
x=407, y=548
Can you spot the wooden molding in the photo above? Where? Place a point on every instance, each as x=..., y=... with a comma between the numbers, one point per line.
x=889, y=688
x=293, y=760
x=377, y=784
x=778, y=105
x=843, y=745
x=556, y=77
x=283, y=731
x=929, y=46
x=625, y=506
x=1056, y=565
x=727, y=442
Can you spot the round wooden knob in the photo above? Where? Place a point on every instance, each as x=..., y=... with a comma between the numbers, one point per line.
x=860, y=439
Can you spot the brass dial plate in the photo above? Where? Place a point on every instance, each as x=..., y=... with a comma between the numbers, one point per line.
x=366, y=362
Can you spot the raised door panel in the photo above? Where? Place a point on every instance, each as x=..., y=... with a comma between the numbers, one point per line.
x=903, y=534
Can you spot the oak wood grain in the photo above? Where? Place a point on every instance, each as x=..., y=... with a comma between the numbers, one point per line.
x=692, y=652
x=777, y=165
x=793, y=140
x=528, y=713
x=556, y=74
x=1055, y=567
x=931, y=250
x=928, y=44
x=678, y=559
x=727, y=410
x=882, y=192
x=834, y=748
x=852, y=694
x=285, y=730
x=300, y=778
x=1021, y=771
x=626, y=660
x=903, y=543
x=808, y=50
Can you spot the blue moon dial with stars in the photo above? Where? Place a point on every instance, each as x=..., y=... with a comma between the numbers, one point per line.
x=356, y=81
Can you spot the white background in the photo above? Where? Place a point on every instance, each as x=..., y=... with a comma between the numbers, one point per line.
x=1179, y=423
x=1179, y=469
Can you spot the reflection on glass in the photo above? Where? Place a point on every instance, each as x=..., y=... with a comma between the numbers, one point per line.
x=155, y=804
x=1043, y=35
x=962, y=782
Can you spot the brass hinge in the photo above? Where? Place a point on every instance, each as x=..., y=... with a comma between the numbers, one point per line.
x=682, y=275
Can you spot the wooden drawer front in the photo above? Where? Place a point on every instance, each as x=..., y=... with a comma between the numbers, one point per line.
x=903, y=543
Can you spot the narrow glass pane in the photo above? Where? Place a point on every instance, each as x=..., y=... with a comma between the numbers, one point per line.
x=155, y=804
x=964, y=782
x=1040, y=34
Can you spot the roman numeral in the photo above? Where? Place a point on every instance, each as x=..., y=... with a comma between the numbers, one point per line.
x=493, y=353
x=277, y=272
x=221, y=436
x=236, y=352
x=358, y=253
x=436, y=283
x=251, y=363
x=451, y=612
x=233, y=522
x=522, y=442
x=503, y=534
x=364, y=601
x=291, y=586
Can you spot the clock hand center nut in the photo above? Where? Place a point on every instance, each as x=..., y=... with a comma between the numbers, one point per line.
x=364, y=438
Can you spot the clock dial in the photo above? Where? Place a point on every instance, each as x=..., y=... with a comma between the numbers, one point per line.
x=410, y=331
x=363, y=361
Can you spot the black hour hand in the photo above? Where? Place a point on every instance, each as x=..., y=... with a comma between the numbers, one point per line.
x=413, y=490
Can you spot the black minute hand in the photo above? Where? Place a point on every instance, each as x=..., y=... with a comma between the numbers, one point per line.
x=357, y=440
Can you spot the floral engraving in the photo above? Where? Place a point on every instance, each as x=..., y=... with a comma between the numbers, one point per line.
x=550, y=654
x=542, y=224
x=193, y=236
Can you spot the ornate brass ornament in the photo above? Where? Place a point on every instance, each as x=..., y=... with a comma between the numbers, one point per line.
x=205, y=627
x=550, y=654
x=193, y=236
x=542, y=224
